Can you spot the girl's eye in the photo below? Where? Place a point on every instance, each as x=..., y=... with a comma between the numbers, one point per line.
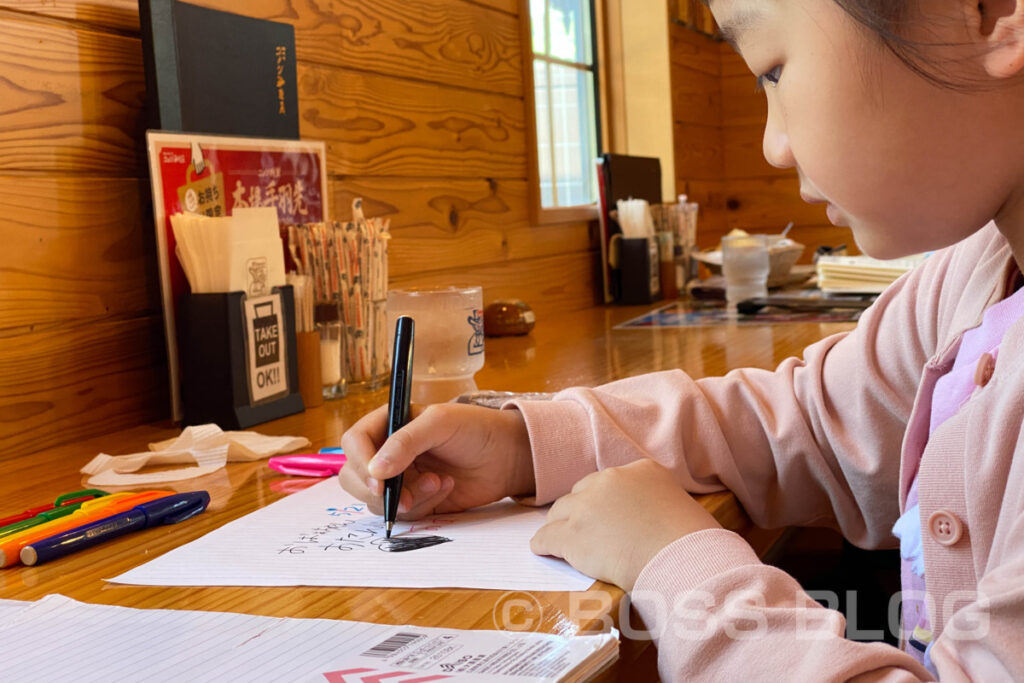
x=770, y=77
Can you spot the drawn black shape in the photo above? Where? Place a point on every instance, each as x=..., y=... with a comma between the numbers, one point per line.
x=401, y=544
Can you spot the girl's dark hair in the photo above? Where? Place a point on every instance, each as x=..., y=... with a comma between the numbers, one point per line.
x=888, y=20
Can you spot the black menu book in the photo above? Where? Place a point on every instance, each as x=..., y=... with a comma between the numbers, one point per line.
x=209, y=71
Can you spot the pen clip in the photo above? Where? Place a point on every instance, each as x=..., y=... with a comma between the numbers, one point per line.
x=77, y=496
x=60, y=511
x=192, y=511
x=174, y=508
x=106, y=500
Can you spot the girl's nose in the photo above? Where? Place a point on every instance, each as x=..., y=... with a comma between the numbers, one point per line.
x=776, y=144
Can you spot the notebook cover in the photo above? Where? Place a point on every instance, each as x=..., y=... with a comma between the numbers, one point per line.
x=633, y=177
x=210, y=71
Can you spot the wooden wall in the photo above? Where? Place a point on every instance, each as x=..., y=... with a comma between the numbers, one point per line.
x=420, y=101
x=696, y=74
x=719, y=122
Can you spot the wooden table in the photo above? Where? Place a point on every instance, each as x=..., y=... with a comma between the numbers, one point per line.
x=575, y=349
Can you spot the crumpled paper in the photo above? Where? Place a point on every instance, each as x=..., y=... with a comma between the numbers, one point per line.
x=206, y=448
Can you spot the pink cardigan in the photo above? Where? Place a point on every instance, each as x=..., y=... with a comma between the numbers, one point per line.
x=828, y=440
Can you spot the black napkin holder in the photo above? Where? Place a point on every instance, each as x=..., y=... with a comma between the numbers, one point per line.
x=239, y=364
x=639, y=281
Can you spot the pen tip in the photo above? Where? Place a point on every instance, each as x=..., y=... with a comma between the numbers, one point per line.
x=387, y=529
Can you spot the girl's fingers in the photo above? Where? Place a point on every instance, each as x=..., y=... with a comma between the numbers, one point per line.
x=357, y=487
x=361, y=441
x=561, y=509
x=416, y=487
x=426, y=494
x=358, y=444
x=549, y=539
x=586, y=481
x=412, y=482
x=375, y=486
x=402, y=448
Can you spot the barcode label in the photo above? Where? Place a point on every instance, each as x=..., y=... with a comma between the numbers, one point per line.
x=393, y=644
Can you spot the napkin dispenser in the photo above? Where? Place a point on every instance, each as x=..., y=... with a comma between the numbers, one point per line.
x=239, y=362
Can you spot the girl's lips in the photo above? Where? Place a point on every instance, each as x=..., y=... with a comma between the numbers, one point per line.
x=835, y=216
x=812, y=199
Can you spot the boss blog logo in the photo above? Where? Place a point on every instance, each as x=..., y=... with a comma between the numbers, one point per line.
x=517, y=611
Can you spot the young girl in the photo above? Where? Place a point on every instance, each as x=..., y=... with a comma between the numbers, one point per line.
x=906, y=117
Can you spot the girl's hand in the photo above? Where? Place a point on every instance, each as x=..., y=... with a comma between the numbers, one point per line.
x=615, y=521
x=454, y=456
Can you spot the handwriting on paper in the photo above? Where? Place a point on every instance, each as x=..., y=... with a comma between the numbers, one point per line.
x=401, y=544
x=352, y=530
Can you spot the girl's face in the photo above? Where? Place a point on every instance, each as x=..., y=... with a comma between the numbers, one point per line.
x=908, y=165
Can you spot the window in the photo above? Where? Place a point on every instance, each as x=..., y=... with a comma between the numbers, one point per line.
x=565, y=100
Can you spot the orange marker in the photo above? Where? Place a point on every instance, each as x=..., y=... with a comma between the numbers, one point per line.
x=91, y=511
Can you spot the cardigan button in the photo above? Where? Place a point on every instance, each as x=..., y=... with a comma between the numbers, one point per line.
x=945, y=527
x=983, y=370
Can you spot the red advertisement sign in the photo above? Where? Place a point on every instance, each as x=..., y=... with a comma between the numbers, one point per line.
x=213, y=175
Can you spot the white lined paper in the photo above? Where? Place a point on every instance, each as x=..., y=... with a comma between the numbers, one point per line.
x=9, y=609
x=299, y=541
x=57, y=638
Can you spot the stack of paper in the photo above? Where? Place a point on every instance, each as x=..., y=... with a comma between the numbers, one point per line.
x=238, y=253
x=861, y=273
x=58, y=638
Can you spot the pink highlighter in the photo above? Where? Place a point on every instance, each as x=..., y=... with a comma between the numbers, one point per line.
x=309, y=464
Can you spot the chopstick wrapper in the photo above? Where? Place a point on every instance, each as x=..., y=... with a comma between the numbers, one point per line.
x=206, y=448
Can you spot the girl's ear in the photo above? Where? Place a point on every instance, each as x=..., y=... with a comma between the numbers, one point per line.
x=998, y=25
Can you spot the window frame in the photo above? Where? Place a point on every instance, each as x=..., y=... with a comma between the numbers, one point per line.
x=560, y=214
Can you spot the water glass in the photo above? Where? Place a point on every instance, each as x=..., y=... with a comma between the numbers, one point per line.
x=449, y=343
x=332, y=361
x=745, y=265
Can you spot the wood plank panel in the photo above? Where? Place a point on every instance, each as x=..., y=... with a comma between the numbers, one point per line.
x=118, y=14
x=743, y=152
x=443, y=41
x=74, y=248
x=69, y=383
x=742, y=105
x=769, y=203
x=124, y=14
x=698, y=151
x=732, y=63
x=551, y=285
x=70, y=99
x=418, y=250
x=693, y=50
x=697, y=112
x=507, y=6
x=696, y=96
x=377, y=125
x=711, y=195
x=448, y=205
x=439, y=223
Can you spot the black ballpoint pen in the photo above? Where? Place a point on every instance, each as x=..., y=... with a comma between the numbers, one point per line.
x=398, y=407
